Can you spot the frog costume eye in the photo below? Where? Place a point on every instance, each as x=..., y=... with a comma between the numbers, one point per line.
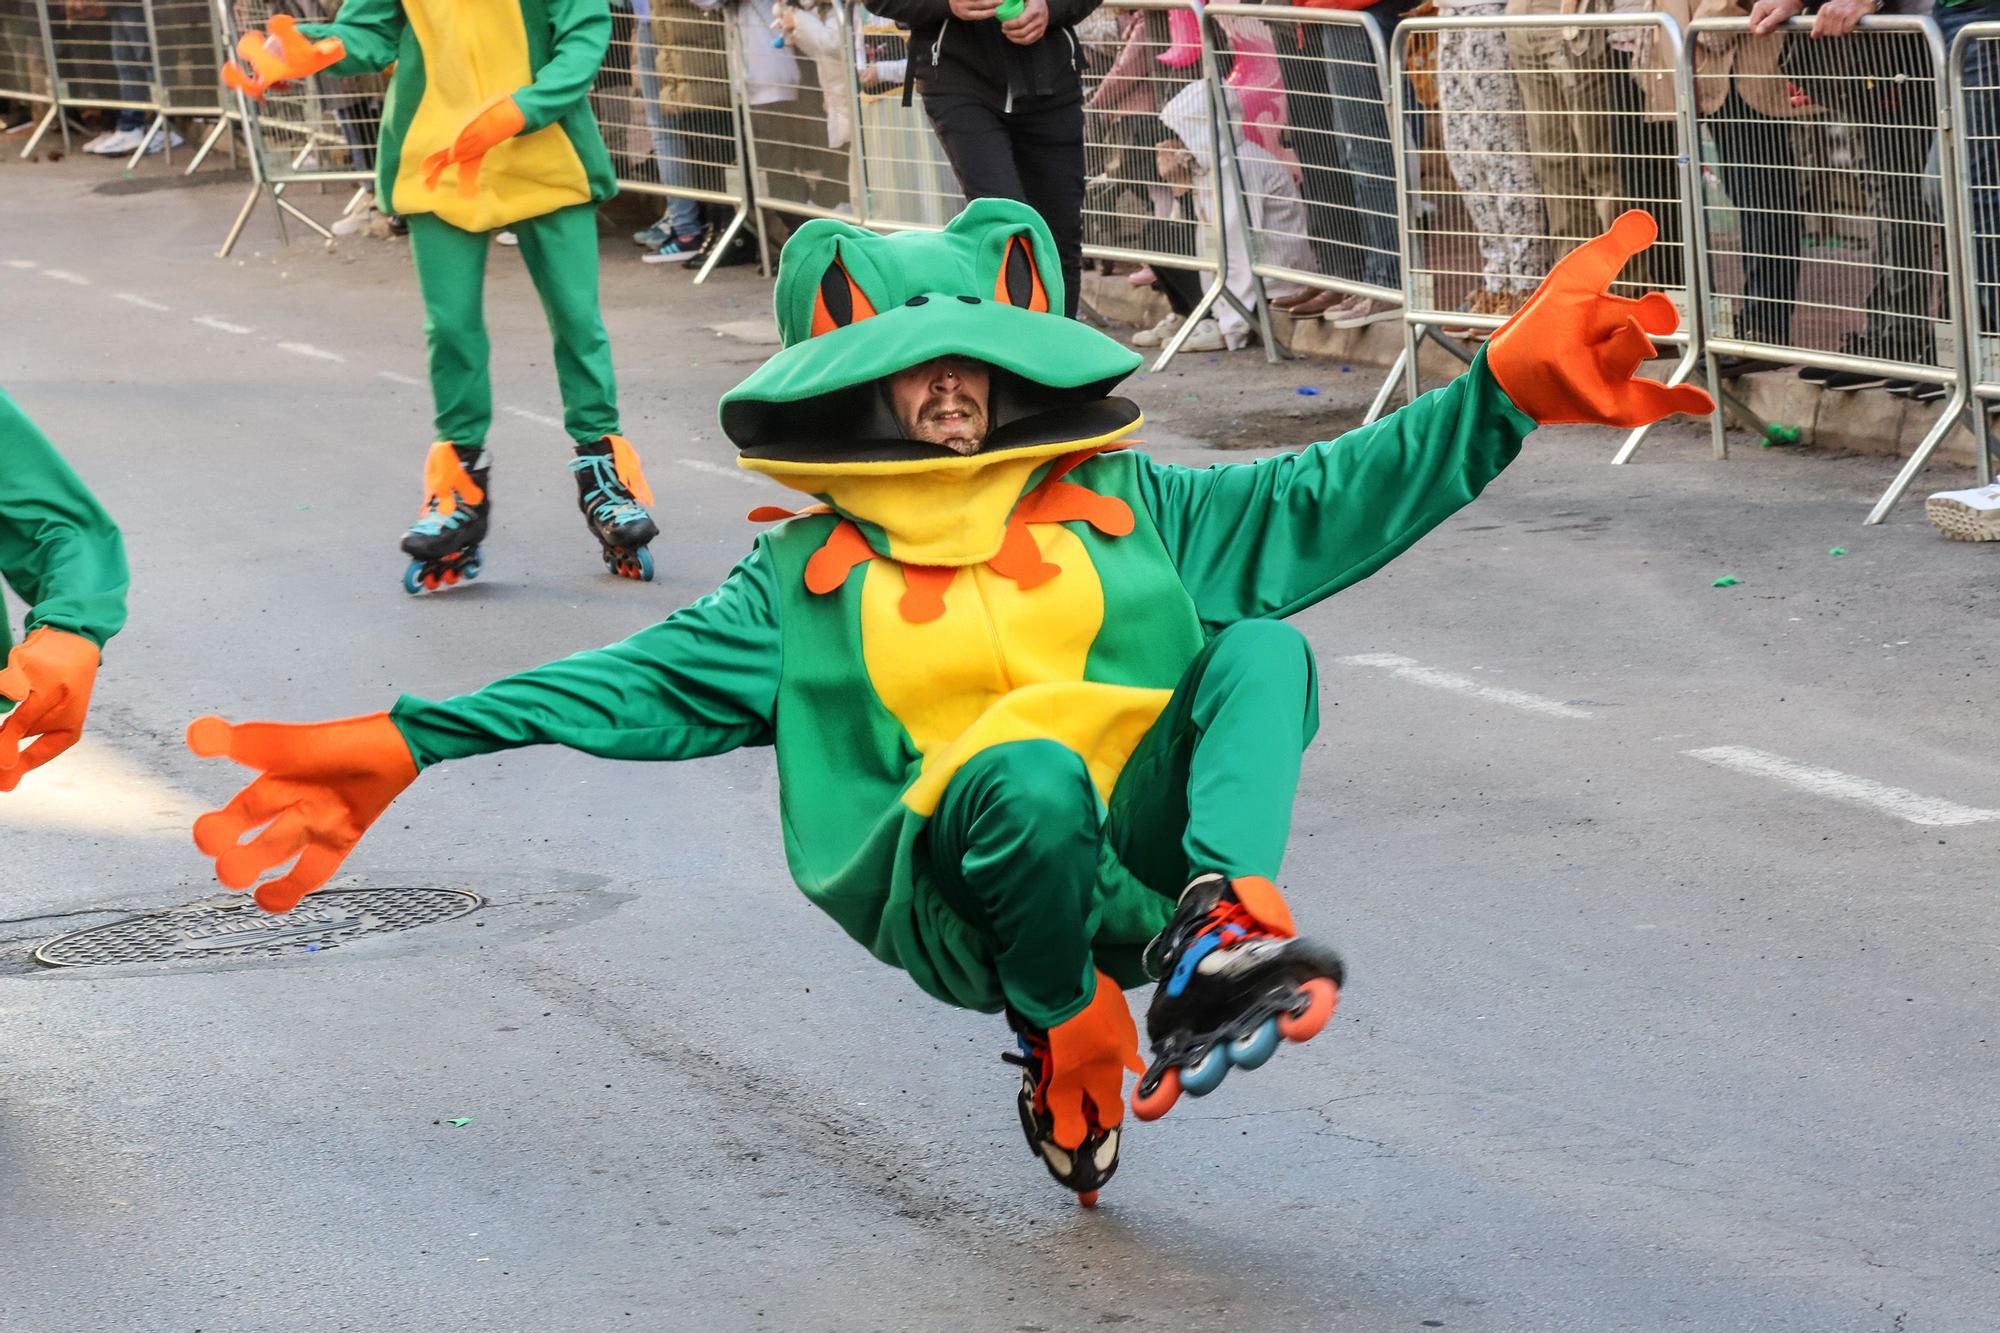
x=840, y=300
x=1020, y=281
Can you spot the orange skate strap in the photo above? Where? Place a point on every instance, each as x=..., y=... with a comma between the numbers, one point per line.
x=626, y=460
x=1261, y=899
x=446, y=481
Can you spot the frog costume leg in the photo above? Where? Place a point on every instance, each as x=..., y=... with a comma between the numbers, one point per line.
x=451, y=275
x=560, y=249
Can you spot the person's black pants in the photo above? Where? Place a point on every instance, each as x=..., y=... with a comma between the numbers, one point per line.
x=1033, y=153
x=1760, y=171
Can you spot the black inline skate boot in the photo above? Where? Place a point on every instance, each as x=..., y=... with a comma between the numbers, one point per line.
x=612, y=492
x=1235, y=979
x=1095, y=1160
x=443, y=544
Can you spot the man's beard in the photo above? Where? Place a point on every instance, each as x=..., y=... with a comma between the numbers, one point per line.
x=969, y=429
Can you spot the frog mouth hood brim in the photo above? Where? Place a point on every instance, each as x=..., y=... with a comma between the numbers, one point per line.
x=821, y=400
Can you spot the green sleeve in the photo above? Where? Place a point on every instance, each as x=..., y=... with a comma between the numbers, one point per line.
x=582, y=36
x=58, y=548
x=1267, y=539
x=702, y=681
x=371, y=30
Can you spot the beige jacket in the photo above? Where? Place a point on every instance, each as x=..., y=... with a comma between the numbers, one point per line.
x=1720, y=59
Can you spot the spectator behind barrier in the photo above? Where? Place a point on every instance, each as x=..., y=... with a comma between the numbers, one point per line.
x=1006, y=100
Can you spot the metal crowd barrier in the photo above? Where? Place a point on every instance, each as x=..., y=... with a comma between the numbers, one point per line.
x=664, y=103
x=320, y=130
x=1826, y=239
x=907, y=182
x=27, y=57
x=1314, y=155
x=796, y=98
x=1975, y=112
x=1153, y=163
x=187, y=52
x=104, y=57
x=1525, y=136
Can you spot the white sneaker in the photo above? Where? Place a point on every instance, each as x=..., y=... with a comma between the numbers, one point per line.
x=1158, y=334
x=356, y=222
x=119, y=144
x=1966, y=516
x=96, y=145
x=161, y=142
x=506, y=238
x=1207, y=337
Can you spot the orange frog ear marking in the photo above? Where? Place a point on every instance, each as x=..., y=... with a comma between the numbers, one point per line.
x=1020, y=282
x=836, y=558
x=840, y=301
x=923, y=592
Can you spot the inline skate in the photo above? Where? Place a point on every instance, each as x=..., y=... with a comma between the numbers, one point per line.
x=443, y=544
x=611, y=491
x=1235, y=979
x=1092, y=1163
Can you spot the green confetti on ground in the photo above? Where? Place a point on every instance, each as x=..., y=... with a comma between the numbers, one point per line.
x=459, y=1122
x=1838, y=550
x=1726, y=581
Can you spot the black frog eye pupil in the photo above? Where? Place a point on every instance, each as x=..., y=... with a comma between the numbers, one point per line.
x=918, y=300
x=970, y=300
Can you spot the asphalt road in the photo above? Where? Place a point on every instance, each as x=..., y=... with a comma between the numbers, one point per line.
x=1670, y=910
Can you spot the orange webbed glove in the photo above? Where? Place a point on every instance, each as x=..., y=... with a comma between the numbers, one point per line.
x=281, y=56
x=49, y=676
x=1089, y=1055
x=322, y=784
x=1569, y=354
x=492, y=125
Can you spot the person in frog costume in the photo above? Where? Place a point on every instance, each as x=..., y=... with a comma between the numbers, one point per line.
x=62, y=553
x=1037, y=715
x=487, y=126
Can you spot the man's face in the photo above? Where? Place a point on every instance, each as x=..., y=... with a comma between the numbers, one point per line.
x=943, y=402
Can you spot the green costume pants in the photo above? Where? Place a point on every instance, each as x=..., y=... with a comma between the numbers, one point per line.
x=1015, y=840
x=561, y=253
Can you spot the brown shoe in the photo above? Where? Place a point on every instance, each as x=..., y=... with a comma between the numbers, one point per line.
x=1310, y=305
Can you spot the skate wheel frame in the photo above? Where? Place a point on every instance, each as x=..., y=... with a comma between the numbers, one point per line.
x=1200, y=1069
x=444, y=572
x=635, y=563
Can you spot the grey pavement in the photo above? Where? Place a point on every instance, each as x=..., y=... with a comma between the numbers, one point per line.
x=1670, y=910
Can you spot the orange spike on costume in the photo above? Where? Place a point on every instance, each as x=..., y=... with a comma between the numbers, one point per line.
x=1065, y=501
x=778, y=513
x=625, y=459
x=923, y=592
x=830, y=565
x=1019, y=558
x=446, y=481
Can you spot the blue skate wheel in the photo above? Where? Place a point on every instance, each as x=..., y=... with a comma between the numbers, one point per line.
x=1252, y=1051
x=1204, y=1074
x=645, y=559
x=413, y=578
x=473, y=564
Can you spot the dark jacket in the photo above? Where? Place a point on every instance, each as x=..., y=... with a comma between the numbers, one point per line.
x=950, y=56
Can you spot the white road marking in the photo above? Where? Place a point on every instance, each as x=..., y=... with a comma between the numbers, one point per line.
x=535, y=417
x=307, y=349
x=220, y=325
x=133, y=298
x=403, y=380
x=64, y=275
x=1417, y=673
x=92, y=788
x=22, y=263
x=718, y=470
x=1917, y=808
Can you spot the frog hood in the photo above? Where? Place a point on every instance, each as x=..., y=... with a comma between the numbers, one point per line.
x=854, y=307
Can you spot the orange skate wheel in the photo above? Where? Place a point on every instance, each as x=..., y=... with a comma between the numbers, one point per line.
x=1321, y=997
x=1153, y=1105
x=1088, y=1198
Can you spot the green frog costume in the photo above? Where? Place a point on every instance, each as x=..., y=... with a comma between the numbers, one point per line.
x=63, y=555
x=487, y=125
x=1020, y=698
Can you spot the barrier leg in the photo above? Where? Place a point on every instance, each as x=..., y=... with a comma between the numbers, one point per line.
x=1388, y=389
x=1272, y=352
x=286, y=206
x=208, y=145
x=55, y=113
x=1186, y=330
x=242, y=220
x=1718, y=433
x=1946, y=420
x=1412, y=333
x=736, y=221
x=158, y=125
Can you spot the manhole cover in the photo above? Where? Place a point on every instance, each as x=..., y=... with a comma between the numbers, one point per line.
x=202, y=932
